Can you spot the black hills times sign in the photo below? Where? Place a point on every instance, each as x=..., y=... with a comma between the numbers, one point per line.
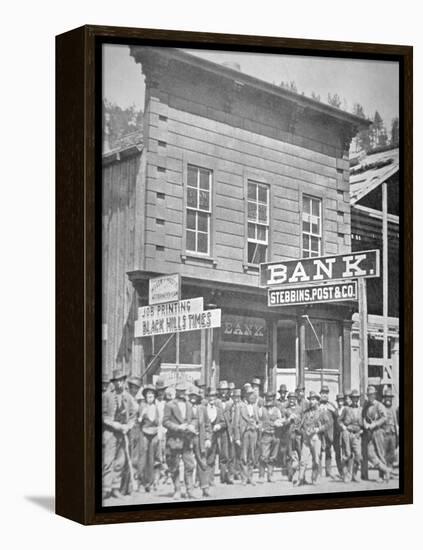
x=317, y=280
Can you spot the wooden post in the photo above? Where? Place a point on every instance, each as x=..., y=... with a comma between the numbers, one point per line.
x=346, y=355
x=362, y=304
x=301, y=351
x=271, y=354
x=385, y=278
x=362, y=301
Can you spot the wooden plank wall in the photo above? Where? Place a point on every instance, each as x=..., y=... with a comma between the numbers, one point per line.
x=176, y=136
x=120, y=248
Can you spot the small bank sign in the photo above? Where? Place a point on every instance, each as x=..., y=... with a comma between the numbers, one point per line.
x=354, y=265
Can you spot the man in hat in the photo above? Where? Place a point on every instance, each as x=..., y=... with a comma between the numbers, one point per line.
x=329, y=415
x=105, y=384
x=134, y=435
x=282, y=401
x=351, y=425
x=237, y=467
x=271, y=422
x=390, y=429
x=215, y=418
x=161, y=388
x=374, y=419
x=202, y=438
x=177, y=420
x=119, y=415
x=256, y=386
x=312, y=426
x=245, y=391
x=225, y=447
x=246, y=424
x=149, y=422
x=340, y=401
x=301, y=399
x=291, y=436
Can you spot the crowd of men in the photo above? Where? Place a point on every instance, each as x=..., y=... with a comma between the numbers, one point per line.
x=182, y=435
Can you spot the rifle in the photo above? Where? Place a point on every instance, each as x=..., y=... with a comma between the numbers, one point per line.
x=130, y=467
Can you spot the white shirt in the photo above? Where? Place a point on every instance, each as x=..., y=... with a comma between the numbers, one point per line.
x=211, y=412
x=183, y=408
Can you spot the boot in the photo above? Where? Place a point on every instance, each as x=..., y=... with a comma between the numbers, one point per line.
x=270, y=473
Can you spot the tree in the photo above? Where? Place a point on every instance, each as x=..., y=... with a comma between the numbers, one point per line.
x=120, y=122
x=334, y=100
x=395, y=131
x=363, y=137
x=379, y=135
x=291, y=86
x=315, y=96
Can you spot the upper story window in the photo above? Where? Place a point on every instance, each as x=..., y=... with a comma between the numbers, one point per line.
x=312, y=227
x=198, y=213
x=258, y=222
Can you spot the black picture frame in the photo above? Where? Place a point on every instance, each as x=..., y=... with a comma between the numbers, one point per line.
x=78, y=261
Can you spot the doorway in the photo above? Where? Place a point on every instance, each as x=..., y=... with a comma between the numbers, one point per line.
x=242, y=366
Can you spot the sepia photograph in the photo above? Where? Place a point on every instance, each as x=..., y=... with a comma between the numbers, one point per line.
x=251, y=273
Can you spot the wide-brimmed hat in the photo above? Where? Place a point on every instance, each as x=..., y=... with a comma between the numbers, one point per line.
x=256, y=382
x=135, y=381
x=388, y=395
x=231, y=385
x=211, y=392
x=324, y=389
x=269, y=396
x=181, y=386
x=147, y=388
x=339, y=396
x=160, y=384
x=193, y=390
x=300, y=388
x=282, y=388
x=237, y=392
x=354, y=393
x=371, y=390
x=118, y=374
x=291, y=395
x=314, y=395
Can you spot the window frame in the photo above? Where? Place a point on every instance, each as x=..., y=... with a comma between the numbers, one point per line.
x=310, y=234
x=258, y=182
x=198, y=210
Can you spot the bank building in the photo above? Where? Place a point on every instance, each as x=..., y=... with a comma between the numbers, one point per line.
x=227, y=173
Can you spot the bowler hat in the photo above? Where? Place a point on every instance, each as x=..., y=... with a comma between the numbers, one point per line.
x=118, y=374
x=371, y=390
x=340, y=397
x=160, y=384
x=135, y=381
x=388, y=394
x=347, y=393
x=269, y=395
x=147, y=388
x=283, y=388
x=314, y=395
x=291, y=395
x=223, y=385
x=256, y=382
x=324, y=389
x=355, y=393
x=211, y=392
x=231, y=385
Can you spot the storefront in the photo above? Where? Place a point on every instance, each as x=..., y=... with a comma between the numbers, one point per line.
x=297, y=345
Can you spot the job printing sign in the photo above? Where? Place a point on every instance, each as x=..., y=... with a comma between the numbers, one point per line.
x=180, y=316
x=326, y=268
x=312, y=294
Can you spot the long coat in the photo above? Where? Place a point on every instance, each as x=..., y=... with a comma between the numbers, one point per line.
x=172, y=420
x=244, y=421
x=202, y=426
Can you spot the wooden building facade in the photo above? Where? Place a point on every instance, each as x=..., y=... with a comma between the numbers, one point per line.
x=233, y=171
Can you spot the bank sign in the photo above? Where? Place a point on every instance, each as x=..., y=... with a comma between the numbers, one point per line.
x=354, y=265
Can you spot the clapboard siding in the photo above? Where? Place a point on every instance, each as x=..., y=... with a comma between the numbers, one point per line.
x=187, y=124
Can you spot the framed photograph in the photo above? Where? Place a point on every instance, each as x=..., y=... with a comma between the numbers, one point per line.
x=234, y=275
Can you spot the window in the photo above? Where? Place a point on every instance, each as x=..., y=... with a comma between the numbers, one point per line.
x=312, y=227
x=198, y=210
x=258, y=222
